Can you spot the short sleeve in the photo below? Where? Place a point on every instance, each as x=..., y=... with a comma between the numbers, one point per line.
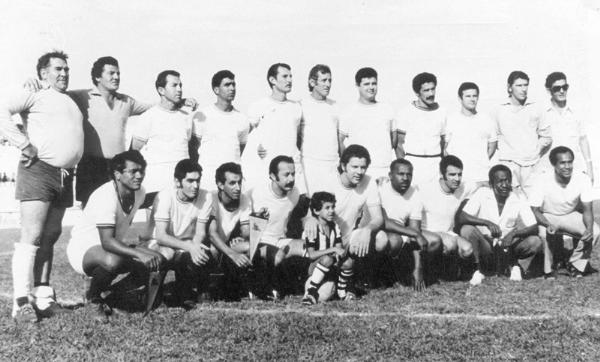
x=492, y=135
x=474, y=204
x=401, y=121
x=416, y=210
x=143, y=128
x=544, y=129
x=206, y=208
x=526, y=215
x=255, y=113
x=344, y=124
x=536, y=197
x=243, y=130
x=162, y=206
x=444, y=125
x=138, y=107
x=245, y=210
x=104, y=206
x=309, y=242
x=372, y=194
x=587, y=193
x=199, y=119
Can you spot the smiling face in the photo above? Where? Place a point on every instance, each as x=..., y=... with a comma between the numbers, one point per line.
x=110, y=78
x=452, y=177
x=367, y=89
x=321, y=85
x=563, y=167
x=355, y=170
x=56, y=74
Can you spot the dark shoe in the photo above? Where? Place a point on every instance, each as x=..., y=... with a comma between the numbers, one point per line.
x=574, y=272
x=188, y=304
x=53, y=310
x=551, y=275
x=311, y=297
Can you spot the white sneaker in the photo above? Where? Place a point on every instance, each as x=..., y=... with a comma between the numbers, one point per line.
x=515, y=274
x=477, y=278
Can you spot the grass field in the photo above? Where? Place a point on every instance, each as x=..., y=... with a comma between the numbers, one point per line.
x=499, y=320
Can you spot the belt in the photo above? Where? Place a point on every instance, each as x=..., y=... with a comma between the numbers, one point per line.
x=423, y=156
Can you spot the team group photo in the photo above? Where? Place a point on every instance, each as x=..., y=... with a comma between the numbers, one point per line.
x=469, y=198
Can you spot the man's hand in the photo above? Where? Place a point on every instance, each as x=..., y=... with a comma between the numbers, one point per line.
x=359, y=245
x=551, y=229
x=507, y=240
x=262, y=152
x=151, y=260
x=263, y=212
x=338, y=253
x=311, y=228
x=29, y=155
x=494, y=229
x=240, y=260
x=418, y=281
x=198, y=253
x=587, y=236
x=240, y=245
x=35, y=85
x=190, y=102
x=422, y=242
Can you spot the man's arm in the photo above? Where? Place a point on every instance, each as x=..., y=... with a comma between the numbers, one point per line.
x=588, y=221
x=464, y=218
x=239, y=259
x=443, y=145
x=400, y=139
x=542, y=221
x=491, y=149
x=149, y=258
x=137, y=143
x=584, y=145
x=396, y=227
x=341, y=146
x=544, y=135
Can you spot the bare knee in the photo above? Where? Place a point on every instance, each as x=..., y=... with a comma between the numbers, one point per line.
x=434, y=245
x=112, y=262
x=326, y=260
x=348, y=264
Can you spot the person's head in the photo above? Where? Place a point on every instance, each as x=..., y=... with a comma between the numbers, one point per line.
x=223, y=84
x=128, y=169
x=354, y=163
x=468, y=92
x=561, y=158
x=169, y=87
x=279, y=77
x=187, y=178
x=401, y=173
x=319, y=80
x=229, y=179
x=500, y=179
x=53, y=68
x=366, y=82
x=518, y=84
x=322, y=205
x=556, y=84
x=451, y=168
x=105, y=73
x=282, y=172
x=424, y=85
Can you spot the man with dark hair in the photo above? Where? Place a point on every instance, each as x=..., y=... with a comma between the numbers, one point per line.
x=524, y=134
x=164, y=132
x=221, y=129
x=275, y=121
x=320, y=123
x=568, y=129
x=98, y=247
x=51, y=144
x=369, y=123
x=422, y=130
x=402, y=213
x=441, y=201
x=471, y=135
x=489, y=221
x=556, y=200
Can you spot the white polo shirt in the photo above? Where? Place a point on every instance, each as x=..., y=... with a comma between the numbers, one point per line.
x=468, y=138
x=370, y=125
x=401, y=207
x=483, y=205
x=423, y=129
x=320, y=120
x=228, y=220
x=555, y=199
x=182, y=216
x=439, y=207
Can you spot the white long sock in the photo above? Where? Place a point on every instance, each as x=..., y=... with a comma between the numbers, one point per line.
x=318, y=275
x=22, y=269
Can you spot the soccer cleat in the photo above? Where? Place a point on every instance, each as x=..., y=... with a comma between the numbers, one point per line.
x=550, y=276
x=102, y=312
x=515, y=274
x=574, y=272
x=477, y=278
x=350, y=296
x=311, y=297
x=24, y=314
x=52, y=310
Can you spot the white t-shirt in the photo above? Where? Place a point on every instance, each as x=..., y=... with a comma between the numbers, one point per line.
x=228, y=220
x=439, y=207
x=166, y=133
x=370, y=125
x=279, y=208
x=483, y=205
x=351, y=202
x=321, y=121
x=557, y=200
x=277, y=127
x=221, y=134
x=423, y=129
x=468, y=138
x=104, y=210
x=182, y=216
x=400, y=207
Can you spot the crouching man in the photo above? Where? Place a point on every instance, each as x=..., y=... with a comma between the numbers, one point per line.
x=97, y=247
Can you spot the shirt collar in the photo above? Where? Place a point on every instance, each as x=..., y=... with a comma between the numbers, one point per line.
x=508, y=102
x=551, y=108
x=94, y=91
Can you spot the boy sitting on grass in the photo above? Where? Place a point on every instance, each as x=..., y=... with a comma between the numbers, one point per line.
x=325, y=250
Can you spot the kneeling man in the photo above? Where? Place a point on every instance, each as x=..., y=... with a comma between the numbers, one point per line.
x=491, y=218
x=97, y=247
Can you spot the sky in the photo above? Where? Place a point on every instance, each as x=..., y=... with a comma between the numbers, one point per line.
x=480, y=41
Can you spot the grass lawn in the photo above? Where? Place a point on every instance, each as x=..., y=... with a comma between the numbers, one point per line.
x=499, y=320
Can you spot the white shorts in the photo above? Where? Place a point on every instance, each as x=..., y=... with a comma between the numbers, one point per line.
x=159, y=176
x=279, y=243
x=320, y=175
x=425, y=169
x=76, y=250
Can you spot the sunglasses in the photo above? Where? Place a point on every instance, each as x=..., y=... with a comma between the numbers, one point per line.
x=558, y=88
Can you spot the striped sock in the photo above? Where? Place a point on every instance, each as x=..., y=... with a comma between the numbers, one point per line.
x=318, y=275
x=343, y=281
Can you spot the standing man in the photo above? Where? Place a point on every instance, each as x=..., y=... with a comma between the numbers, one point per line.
x=165, y=131
x=276, y=128
x=320, y=124
x=567, y=129
x=51, y=145
x=97, y=247
x=422, y=130
x=524, y=134
x=555, y=201
x=370, y=123
x=471, y=135
x=221, y=129
x=489, y=219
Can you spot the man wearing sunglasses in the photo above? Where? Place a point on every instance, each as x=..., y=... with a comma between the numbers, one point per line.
x=567, y=128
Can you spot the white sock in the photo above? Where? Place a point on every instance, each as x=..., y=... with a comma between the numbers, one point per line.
x=44, y=296
x=318, y=275
x=22, y=269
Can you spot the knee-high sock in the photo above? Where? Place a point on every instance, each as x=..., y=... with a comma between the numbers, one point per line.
x=316, y=279
x=22, y=269
x=101, y=279
x=343, y=280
